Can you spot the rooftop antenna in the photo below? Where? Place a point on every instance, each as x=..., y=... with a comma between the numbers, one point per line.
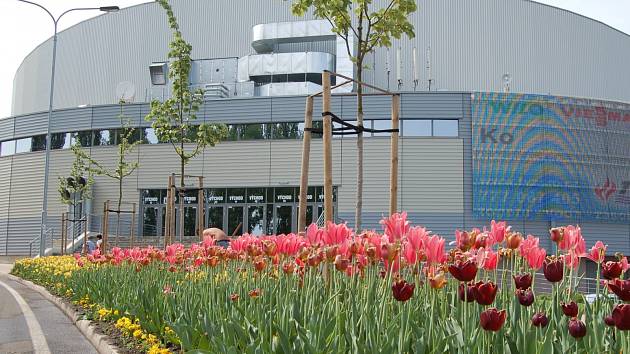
x=398, y=68
x=414, y=63
x=387, y=67
x=507, y=79
x=429, y=77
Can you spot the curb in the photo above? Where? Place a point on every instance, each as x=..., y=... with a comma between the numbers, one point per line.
x=99, y=342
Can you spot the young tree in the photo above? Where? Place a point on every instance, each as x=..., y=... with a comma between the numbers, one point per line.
x=124, y=168
x=173, y=119
x=76, y=188
x=370, y=27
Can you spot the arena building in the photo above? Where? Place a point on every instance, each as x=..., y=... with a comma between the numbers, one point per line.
x=510, y=109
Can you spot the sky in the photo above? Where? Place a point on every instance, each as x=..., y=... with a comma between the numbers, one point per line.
x=24, y=26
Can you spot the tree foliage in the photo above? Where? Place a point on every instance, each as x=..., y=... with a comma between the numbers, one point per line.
x=173, y=119
x=371, y=26
x=80, y=180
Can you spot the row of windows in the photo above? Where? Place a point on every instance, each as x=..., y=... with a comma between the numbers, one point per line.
x=253, y=131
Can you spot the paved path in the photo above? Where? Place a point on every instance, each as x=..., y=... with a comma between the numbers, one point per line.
x=31, y=324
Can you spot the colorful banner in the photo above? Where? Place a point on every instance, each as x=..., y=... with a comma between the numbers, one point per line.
x=550, y=158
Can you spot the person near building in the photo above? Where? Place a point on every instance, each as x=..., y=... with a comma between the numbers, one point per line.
x=219, y=237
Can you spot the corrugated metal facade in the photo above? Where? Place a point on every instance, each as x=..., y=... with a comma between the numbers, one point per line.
x=435, y=184
x=472, y=44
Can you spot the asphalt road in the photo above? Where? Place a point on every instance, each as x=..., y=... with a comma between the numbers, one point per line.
x=31, y=324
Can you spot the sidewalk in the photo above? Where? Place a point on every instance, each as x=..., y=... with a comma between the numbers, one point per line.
x=31, y=324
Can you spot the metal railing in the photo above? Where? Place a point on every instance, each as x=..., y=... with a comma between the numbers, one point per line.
x=48, y=240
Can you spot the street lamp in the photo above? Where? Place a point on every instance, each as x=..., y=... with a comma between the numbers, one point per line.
x=42, y=230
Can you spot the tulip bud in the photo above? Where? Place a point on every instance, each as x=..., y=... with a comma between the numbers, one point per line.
x=570, y=309
x=553, y=269
x=469, y=294
x=540, y=320
x=522, y=281
x=609, y=321
x=577, y=328
x=525, y=297
x=234, y=297
x=492, y=320
x=513, y=240
x=556, y=234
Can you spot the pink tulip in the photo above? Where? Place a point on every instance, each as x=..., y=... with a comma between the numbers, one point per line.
x=498, y=231
x=597, y=252
x=396, y=226
x=489, y=259
x=416, y=236
x=528, y=244
x=336, y=234
x=434, y=249
x=314, y=235
x=536, y=257
x=410, y=253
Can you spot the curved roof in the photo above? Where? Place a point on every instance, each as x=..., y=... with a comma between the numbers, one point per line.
x=472, y=44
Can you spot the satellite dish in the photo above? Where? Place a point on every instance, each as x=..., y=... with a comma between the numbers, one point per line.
x=125, y=91
x=507, y=78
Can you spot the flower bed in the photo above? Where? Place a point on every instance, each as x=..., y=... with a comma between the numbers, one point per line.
x=333, y=291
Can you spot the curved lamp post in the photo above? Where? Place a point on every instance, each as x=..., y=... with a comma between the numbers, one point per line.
x=42, y=230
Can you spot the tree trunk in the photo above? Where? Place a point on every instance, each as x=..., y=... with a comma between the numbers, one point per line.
x=181, y=197
x=359, y=201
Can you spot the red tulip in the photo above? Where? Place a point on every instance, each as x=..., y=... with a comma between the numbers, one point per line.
x=254, y=293
x=463, y=271
x=492, y=320
x=469, y=295
x=621, y=316
x=402, y=290
x=525, y=297
x=621, y=288
x=577, y=328
x=611, y=270
x=570, y=309
x=288, y=267
x=540, y=320
x=522, y=281
x=553, y=269
x=485, y=292
x=234, y=297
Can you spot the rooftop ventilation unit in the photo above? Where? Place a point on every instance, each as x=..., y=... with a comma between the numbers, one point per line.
x=159, y=73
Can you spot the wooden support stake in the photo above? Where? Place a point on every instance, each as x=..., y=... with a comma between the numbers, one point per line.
x=327, y=140
x=133, y=223
x=173, y=215
x=201, y=222
x=306, y=153
x=105, y=227
x=63, y=234
x=393, y=171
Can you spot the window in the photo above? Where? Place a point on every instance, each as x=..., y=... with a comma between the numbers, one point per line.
x=7, y=148
x=286, y=130
x=420, y=127
x=58, y=141
x=23, y=145
x=38, y=143
x=445, y=128
x=85, y=138
x=104, y=137
x=382, y=125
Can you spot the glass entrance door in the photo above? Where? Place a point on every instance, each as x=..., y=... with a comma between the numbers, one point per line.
x=190, y=221
x=150, y=219
x=284, y=219
x=256, y=220
x=215, y=217
x=234, y=220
